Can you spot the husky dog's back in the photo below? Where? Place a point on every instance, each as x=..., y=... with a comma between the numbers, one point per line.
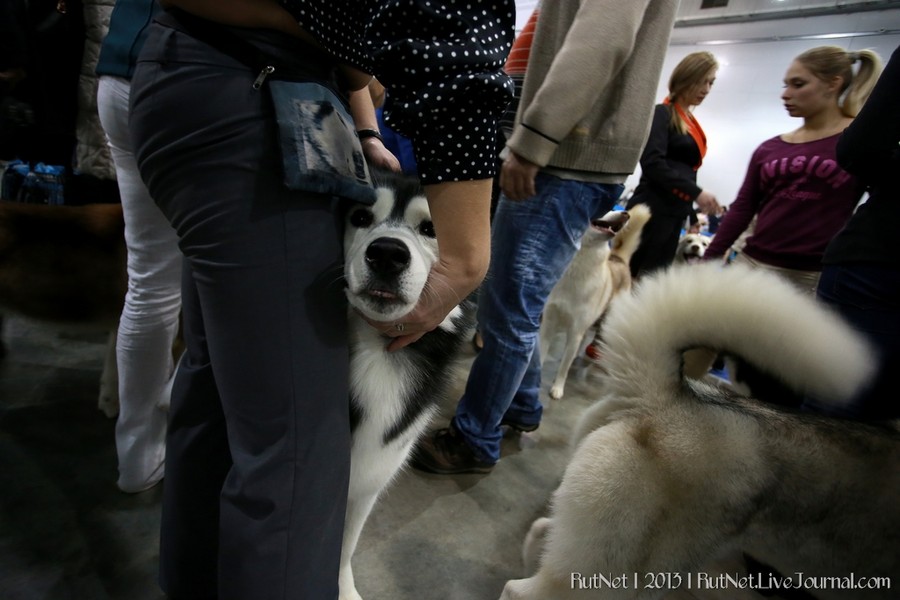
x=668, y=474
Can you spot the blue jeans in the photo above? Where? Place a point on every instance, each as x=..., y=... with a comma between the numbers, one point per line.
x=868, y=298
x=532, y=243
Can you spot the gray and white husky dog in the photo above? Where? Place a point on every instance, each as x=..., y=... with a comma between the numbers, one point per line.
x=669, y=473
x=389, y=249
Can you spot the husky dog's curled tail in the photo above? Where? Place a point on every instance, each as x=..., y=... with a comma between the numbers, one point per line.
x=745, y=312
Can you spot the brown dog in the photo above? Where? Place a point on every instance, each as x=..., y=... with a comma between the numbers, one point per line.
x=66, y=265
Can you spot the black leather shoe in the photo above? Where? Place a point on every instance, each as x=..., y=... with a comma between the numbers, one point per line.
x=445, y=452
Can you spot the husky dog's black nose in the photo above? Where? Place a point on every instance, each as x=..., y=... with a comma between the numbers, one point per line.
x=387, y=256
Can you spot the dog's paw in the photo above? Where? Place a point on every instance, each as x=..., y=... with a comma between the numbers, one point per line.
x=350, y=594
x=533, y=547
x=518, y=589
x=556, y=391
x=542, y=586
x=347, y=585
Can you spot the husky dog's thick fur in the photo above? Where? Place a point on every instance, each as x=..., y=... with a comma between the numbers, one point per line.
x=598, y=272
x=668, y=473
x=389, y=250
x=65, y=265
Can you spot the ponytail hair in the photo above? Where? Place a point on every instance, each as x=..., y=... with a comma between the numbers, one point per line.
x=828, y=62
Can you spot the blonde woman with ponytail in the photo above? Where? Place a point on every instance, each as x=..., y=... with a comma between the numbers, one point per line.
x=794, y=185
x=672, y=155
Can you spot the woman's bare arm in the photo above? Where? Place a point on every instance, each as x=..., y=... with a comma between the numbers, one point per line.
x=460, y=211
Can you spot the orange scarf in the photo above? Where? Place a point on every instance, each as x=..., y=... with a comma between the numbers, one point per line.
x=694, y=129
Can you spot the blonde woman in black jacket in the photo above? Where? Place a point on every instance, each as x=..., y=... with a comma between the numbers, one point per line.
x=669, y=163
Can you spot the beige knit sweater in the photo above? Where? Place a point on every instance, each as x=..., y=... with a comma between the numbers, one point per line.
x=591, y=83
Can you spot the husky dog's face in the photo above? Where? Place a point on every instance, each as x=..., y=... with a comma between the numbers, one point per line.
x=389, y=249
x=605, y=228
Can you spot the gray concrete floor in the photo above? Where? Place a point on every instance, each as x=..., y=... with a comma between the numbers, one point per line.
x=66, y=532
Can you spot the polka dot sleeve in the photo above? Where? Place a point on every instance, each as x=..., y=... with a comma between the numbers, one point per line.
x=442, y=62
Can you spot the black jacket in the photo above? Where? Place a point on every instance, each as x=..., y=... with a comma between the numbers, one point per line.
x=668, y=183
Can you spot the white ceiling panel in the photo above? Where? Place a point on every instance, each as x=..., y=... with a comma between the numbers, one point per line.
x=691, y=10
x=770, y=18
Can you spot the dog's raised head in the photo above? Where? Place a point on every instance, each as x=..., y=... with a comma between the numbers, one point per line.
x=605, y=228
x=389, y=249
x=691, y=248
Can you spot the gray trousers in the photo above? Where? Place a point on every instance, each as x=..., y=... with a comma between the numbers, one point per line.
x=258, y=444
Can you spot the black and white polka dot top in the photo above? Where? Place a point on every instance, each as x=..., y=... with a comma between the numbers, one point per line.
x=442, y=62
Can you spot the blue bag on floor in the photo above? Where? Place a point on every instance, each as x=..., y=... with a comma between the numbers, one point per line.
x=42, y=185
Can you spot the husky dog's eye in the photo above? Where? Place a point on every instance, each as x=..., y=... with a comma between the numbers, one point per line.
x=426, y=228
x=361, y=218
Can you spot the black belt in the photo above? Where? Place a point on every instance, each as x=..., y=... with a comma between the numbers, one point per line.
x=306, y=63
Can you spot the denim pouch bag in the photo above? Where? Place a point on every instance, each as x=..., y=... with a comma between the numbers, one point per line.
x=320, y=149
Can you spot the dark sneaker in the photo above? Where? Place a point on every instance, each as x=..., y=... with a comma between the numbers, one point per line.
x=445, y=452
x=520, y=427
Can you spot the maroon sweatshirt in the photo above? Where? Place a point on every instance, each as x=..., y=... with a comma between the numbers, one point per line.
x=802, y=199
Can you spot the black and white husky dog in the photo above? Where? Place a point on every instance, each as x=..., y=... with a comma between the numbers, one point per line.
x=389, y=249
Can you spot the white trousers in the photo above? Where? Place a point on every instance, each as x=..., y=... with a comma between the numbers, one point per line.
x=149, y=319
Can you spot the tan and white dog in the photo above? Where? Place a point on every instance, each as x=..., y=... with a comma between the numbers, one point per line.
x=670, y=473
x=598, y=272
x=691, y=248
x=66, y=265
